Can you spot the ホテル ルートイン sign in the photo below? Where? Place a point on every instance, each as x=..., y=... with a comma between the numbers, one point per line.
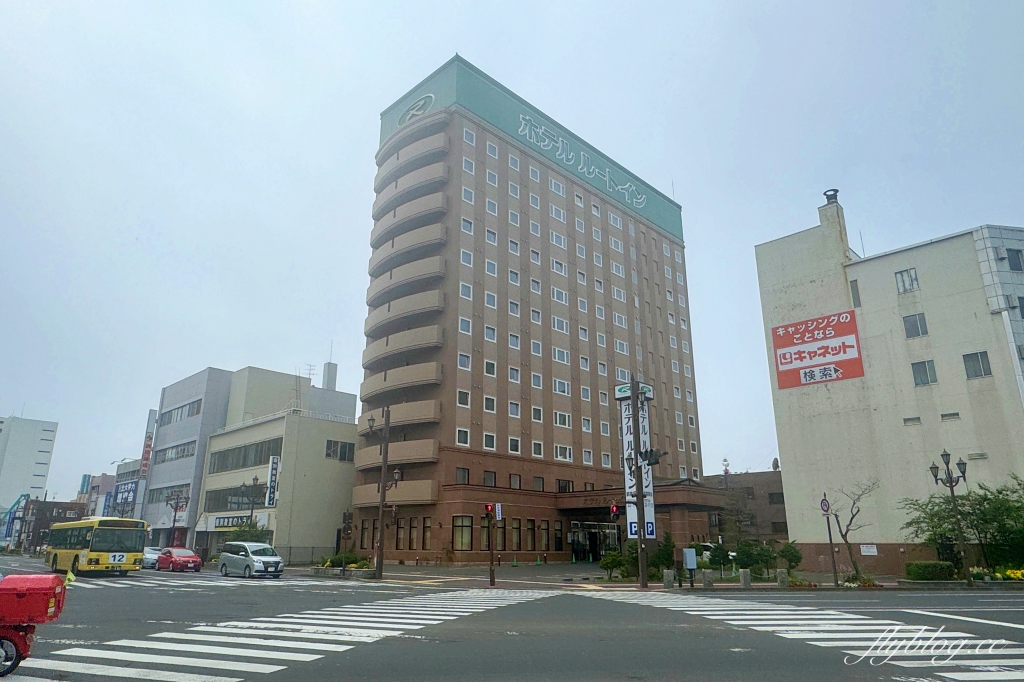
x=818, y=350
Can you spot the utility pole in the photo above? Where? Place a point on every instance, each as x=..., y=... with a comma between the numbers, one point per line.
x=378, y=568
x=638, y=478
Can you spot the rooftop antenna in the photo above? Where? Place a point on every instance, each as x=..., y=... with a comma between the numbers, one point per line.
x=673, y=190
x=298, y=390
x=310, y=371
x=863, y=252
x=330, y=358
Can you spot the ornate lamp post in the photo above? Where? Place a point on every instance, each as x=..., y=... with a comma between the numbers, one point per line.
x=950, y=481
x=178, y=503
x=385, y=485
x=252, y=497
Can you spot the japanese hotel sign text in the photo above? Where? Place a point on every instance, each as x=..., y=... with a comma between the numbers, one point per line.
x=818, y=351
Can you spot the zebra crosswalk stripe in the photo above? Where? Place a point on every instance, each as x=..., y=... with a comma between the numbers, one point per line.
x=255, y=641
x=211, y=663
x=108, y=671
x=222, y=650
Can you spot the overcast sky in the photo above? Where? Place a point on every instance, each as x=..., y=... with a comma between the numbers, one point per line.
x=185, y=185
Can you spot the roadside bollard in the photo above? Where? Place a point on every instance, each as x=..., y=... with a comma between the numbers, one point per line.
x=545, y=558
x=707, y=578
x=783, y=576
x=745, y=577
x=499, y=560
x=668, y=577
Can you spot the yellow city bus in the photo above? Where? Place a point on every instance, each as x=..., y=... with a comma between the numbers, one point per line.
x=97, y=544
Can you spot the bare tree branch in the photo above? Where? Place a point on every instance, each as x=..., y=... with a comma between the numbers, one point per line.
x=855, y=495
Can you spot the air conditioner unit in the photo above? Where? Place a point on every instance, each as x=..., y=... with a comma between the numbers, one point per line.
x=1001, y=252
x=1011, y=301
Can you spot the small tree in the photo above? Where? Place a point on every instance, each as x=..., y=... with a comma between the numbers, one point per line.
x=791, y=555
x=664, y=556
x=249, y=531
x=613, y=561
x=855, y=496
x=719, y=556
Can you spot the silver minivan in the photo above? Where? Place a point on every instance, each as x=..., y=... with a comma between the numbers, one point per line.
x=249, y=559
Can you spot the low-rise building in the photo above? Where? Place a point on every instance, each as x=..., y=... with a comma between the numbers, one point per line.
x=40, y=515
x=757, y=510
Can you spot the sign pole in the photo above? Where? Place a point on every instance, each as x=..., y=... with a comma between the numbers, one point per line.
x=638, y=476
x=825, y=507
x=490, y=543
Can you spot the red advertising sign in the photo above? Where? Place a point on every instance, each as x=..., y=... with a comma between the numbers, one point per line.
x=818, y=351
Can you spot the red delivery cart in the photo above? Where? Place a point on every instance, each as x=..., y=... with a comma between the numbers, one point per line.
x=26, y=601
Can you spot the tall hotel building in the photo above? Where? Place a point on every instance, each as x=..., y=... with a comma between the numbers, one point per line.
x=517, y=276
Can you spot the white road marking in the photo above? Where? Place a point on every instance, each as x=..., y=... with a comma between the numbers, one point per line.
x=115, y=671
x=382, y=618
x=223, y=650
x=322, y=629
x=216, y=664
x=1018, y=626
x=353, y=622
x=966, y=662
x=298, y=635
x=256, y=641
x=1007, y=675
x=881, y=636
x=972, y=651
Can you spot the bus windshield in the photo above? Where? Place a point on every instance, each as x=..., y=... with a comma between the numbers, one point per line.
x=118, y=540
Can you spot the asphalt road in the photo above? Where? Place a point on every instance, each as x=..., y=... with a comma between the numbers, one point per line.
x=204, y=628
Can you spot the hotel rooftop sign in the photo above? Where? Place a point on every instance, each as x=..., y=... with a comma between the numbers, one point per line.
x=460, y=83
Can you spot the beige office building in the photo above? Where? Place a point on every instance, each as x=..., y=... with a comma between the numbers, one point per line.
x=517, y=276
x=879, y=363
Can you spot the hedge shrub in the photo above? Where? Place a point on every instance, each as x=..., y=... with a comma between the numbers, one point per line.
x=930, y=570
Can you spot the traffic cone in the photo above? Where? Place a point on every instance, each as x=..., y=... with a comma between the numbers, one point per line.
x=538, y=559
x=515, y=561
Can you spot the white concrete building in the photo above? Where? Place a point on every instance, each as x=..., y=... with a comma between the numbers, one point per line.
x=879, y=363
x=26, y=447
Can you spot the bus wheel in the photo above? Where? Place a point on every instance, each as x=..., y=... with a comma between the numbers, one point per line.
x=53, y=564
x=74, y=566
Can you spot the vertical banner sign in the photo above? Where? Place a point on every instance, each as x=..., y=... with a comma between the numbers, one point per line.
x=626, y=415
x=271, y=500
x=818, y=351
x=124, y=494
x=107, y=499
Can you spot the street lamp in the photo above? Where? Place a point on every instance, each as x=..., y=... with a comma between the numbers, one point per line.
x=177, y=502
x=385, y=485
x=252, y=497
x=950, y=481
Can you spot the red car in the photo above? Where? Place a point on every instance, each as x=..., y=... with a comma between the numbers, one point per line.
x=178, y=559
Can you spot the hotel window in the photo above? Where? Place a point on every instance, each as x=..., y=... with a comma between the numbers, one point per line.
x=681, y=446
x=535, y=257
x=534, y=200
x=595, y=209
x=513, y=162
x=581, y=303
x=534, y=229
x=693, y=448
x=467, y=226
x=467, y=258
x=513, y=247
x=558, y=267
x=490, y=299
x=491, y=268
x=581, y=277
x=687, y=370
x=615, y=220
x=516, y=535
x=534, y=174
x=469, y=136
x=462, y=533
x=598, y=260
x=492, y=150
x=561, y=386
x=679, y=278
x=915, y=325
x=689, y=396
x=536, y=380
x=489, y=443
x=466, y=291
x=597, y=233
x=513, y=309
x=513, y=409
x=619, y=320
x=467, y=165
x=692, y=421
x=513, y=341
x=492, y=179
x=462, y=438
x=560, y=355
x=606, y=460
x=467, y=195
x=906, y=281
x=535, y=315
x=977, y=365
x=668, y=272
x=537, y=414
x=588, y=457
x=535, y=347
x=584, y=334
x=465, y=325
x=559, y=295
x=558, y=213
x=491, y=236
x=489, y=403
x=544, y=535
x=513, y=277
x=462, y=399
x=559, y=325
x=668, y=294
x=490, y=368
x=618, y=294
x=686, y=347
x=580, y=225
x=513, y=190
x=599, y=286
x=672, y=341
x=464, y=361
x=490, y=333
x=556, y=187
x=603, y=397
x=563, y=419
x=924, y=373
x=605, y=429
x=585, y=424
x=679, y=257
x=563, y=453
x=513, y=375
x=579, y=201
x=682, y=323
x=679, y=417
x=621, y=347
x=585, y=393
x=513, y=448
x=584, y=363
x=602, y=369
x=513, y=218
x=538, y=451
x=666, y=250
x=621, y=374
x=1016, y=259
x=615, y=244
x=558, y=240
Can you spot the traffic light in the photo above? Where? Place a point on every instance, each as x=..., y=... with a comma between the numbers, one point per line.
x=489, y=509
x=615, y=511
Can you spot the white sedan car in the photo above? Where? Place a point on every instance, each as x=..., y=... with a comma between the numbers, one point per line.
x=149, y=555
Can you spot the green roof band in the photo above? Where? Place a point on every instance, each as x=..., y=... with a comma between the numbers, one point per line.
x=460, y=83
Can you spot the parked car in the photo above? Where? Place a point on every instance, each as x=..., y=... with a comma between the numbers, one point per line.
x=149, y=555
x=178, y=559
x=249, y=559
